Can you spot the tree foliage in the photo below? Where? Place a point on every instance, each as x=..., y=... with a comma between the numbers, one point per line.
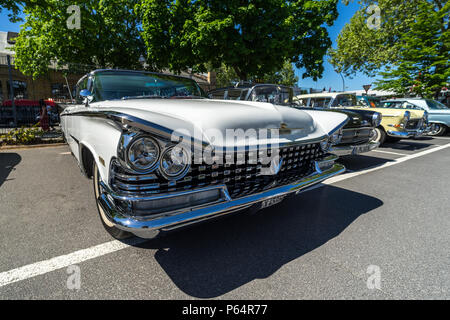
x=109, y=36
x=410, y=50
x=226, y=76
x=253, y=37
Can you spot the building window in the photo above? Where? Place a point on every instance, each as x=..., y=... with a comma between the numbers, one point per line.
x=20, y=89
x=1, y=92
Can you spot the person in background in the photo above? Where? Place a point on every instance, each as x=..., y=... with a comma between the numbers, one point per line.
x=44, y=116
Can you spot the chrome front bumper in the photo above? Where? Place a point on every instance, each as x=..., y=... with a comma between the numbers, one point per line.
x=150, y=226
x=352, y=150
x=406, y=134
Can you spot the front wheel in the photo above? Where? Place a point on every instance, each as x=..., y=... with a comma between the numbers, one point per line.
x=109, y=227
x=380, y=135
x=438, y=130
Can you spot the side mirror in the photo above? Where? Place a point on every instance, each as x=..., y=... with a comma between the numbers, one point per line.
x=86, y=95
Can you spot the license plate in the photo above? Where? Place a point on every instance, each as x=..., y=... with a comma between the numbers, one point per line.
x=272, y=201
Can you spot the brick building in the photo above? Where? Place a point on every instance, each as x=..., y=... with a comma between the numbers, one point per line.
x=53, y=85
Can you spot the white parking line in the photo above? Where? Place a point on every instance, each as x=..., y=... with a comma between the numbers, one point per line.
x=346, y=176
x=389, y=152
x=46, y=266
x=442, y=138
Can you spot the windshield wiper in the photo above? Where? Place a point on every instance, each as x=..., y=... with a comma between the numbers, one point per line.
x=143, y=97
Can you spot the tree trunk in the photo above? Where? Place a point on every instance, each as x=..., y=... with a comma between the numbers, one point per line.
x=243, y=76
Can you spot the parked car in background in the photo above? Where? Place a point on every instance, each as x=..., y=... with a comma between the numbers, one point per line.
x=396, y=124
x=27, y=112
x=151, y=142
x=438, y=113
x=357, y=133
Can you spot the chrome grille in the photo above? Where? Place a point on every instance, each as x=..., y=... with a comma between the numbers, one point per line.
x=414, y=124
x=356, y=136
x=241, y=178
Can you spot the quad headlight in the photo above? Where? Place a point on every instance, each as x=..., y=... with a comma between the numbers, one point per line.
x=175, y=163
x=407, y=116
x=143, y=154
x=376, y=119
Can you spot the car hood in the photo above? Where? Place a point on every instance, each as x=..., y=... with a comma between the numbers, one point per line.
x=211, y=118
x=394, y=112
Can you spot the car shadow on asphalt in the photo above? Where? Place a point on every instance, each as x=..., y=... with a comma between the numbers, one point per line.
x=8, y=161
x=408, y=145
x=214, y=258
x=362, y=162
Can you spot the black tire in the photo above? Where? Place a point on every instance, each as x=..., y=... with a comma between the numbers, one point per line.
x=439, y=131
x=380, y=135
x=109, y=227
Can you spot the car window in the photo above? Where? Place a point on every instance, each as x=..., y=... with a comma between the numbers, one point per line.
x=217, y=94
x=436, y=105
x=234, y=94
x=272, y=94
x=344, y=100
x=320, y=102
x=302, y=102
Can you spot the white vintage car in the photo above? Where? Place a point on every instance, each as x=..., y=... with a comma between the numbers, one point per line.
x=162, y=156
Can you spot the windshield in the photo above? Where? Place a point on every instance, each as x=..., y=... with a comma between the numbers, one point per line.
x=129, y=85
x=370, y=102
x=344, y=100
x=273, y=94
x=432, y=104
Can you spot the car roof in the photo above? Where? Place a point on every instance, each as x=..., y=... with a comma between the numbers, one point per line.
x=322, y=95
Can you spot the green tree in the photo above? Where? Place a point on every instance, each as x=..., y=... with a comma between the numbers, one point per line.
x=253, y=37
x=410, y=49
x=226, y=76
x=109, y=36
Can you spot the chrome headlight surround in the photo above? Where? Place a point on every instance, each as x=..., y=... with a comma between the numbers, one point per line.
x=143, y=148
x=426, y=117
x=407, y=116
x=325, y=145
x=174, y=156
x=376, y=119
x=336, y=137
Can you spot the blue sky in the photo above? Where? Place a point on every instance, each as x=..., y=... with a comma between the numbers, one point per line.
x=330, y=77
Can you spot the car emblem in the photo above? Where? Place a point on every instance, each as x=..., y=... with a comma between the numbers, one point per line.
x=284, y=129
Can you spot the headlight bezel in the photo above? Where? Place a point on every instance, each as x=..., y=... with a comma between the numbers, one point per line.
x=377, y=118
x=147, y=169
x=182, y=172
x=336, y=137
x=407, y=116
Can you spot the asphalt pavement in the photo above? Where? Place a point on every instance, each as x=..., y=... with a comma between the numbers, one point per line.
x=380, y=231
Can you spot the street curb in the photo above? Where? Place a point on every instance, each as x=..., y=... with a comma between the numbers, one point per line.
x=35, y=146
